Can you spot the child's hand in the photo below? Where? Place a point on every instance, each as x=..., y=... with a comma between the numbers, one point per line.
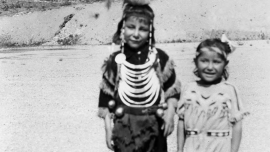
x=108, y=129
x=109, y=139
x=168, y=125
x=168, y=118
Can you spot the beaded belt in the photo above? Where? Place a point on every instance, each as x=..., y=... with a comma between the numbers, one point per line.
x=209, y=133
x=120, y=110
x=218, y=134
x=140, y=111
x=156, y=109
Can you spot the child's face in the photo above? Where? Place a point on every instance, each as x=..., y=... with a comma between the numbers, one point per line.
x=136, y=31
x=210, y=64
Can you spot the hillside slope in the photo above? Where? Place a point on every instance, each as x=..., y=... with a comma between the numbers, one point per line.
x=176, y=21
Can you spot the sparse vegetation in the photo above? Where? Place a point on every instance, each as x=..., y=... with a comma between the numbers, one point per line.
x=82, y=28
x=11, y=7
x=70, y=40
x=6, y=41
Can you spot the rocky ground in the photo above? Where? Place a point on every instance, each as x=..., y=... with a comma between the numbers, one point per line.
x=176, y=21
x=49, y=95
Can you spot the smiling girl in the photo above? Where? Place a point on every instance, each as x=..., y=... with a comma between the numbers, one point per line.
x=139, y=89
x=210, y=110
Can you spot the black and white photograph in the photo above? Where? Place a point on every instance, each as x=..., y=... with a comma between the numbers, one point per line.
x=134, y=76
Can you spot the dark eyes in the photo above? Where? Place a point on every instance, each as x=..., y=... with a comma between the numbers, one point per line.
x=203, y=60
x=214, y=61
x=217, y=61
x=130, y=27
x=141, y=28
x=144, y=29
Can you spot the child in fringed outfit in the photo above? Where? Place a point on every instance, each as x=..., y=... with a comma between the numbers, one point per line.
x=139, y=88
x=210, y=110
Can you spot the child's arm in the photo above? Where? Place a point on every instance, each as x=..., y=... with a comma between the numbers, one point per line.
x=104, y=113
x=236, y=117
x=108, y=129
x=172, y=89
x=105, y=96
x=236, y=136
x=168, y=125
x=180, y=136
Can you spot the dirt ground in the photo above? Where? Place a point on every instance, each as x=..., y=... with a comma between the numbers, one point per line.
x=49, y=96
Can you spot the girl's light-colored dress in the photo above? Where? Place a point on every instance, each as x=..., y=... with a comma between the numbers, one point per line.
x=208, y=120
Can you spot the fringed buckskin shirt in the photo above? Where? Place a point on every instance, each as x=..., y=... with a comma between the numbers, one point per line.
x=170, y=85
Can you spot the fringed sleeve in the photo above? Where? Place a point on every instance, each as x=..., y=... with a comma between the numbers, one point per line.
x=238, y=111
x=109, y=70
x=167, y=76
x=172, y=87
x=107, y=85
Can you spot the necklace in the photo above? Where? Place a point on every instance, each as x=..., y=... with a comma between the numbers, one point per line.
x=138, y=81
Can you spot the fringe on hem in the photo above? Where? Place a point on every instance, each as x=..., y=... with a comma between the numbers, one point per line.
x=239, y=117
x=174, y=89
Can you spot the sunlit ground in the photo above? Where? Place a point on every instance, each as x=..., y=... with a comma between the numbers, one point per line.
x=49, y=96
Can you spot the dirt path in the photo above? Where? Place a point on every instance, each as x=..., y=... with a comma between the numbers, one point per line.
x=48, y=96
